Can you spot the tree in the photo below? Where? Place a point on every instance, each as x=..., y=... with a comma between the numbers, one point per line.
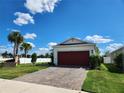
x=47, y=55
x=95, y=61
x=10, y=55
x=107, y=53
x=15, y=38
x=51, y=56
x=5, y=54
x=26, y=47
x=41, y=56
x=33, y=58
x=97, y=51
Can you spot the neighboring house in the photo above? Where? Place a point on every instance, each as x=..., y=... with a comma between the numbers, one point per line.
x=73, y=52
x=113, y=54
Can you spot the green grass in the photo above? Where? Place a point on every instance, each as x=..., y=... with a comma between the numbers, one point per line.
x=13, y=72
x=99, y=81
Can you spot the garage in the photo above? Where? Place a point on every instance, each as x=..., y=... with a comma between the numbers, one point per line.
x=75, y=58
x=73, y=52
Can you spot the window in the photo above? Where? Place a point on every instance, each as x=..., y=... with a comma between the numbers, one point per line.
x=92, y=51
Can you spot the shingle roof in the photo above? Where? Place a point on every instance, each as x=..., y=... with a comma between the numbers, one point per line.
x=74, y=41
x=117, y=50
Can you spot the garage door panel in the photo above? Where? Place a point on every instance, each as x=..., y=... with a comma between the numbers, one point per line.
x=80, y=58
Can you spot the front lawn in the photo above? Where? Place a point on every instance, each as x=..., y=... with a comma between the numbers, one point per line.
x=13, y=72
x=100, y=81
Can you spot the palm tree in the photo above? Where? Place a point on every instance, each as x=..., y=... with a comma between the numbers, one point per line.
x=16, y=38
x=26, y=47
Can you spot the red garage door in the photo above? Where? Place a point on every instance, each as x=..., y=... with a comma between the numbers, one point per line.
x=78, y=58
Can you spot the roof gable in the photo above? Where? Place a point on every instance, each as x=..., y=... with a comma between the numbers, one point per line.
x=73, y=41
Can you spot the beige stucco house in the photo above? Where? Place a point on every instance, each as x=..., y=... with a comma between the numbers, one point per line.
x=73, y=52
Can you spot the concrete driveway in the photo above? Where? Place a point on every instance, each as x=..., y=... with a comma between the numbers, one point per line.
x=70, y=78
x=10, y=86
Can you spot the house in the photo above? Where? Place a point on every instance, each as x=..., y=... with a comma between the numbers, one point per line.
x=113, y=54
x=73, y=52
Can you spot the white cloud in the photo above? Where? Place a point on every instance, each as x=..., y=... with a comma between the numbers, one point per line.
x=15, y=30
x=101, y=51
x=51, y=44
x=40, y=6
x=23, y=19
x=44, y=50
x=2, y=47
x=114, y=46
x=33, y=45
x=30, y=36
x=7, y=48
x=98, y=39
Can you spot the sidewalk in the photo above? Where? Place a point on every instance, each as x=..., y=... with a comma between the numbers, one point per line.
x=10, y=86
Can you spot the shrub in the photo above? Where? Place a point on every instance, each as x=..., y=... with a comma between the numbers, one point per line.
x=52, y=59
x=119, y=61
x=103, y=67
x=95, y=61
x=51, y=63
x=33, y=58
x=112, y=67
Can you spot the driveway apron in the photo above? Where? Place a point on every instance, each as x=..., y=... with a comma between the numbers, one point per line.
x=70, y=78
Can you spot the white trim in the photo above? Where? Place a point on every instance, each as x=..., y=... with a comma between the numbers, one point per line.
x=60, y=46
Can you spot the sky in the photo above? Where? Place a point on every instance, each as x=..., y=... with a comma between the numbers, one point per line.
x=44, y=23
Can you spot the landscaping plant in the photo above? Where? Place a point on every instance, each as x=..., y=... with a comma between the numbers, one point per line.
x=119, y=62
x=103, y=67
x=33, y=58
x=95, y=61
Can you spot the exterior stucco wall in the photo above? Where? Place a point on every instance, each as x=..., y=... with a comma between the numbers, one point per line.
x=90, y=48
x=113, y=55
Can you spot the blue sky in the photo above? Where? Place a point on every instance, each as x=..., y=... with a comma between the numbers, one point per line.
x=99, y=21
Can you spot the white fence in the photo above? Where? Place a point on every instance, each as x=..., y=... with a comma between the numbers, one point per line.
x=4, y=59
x=107, y=60
x=28, y=60
x=39, y=60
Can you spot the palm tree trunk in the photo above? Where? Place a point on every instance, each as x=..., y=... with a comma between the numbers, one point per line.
x=14, y=49
x=25, y=53
x=16, y=55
